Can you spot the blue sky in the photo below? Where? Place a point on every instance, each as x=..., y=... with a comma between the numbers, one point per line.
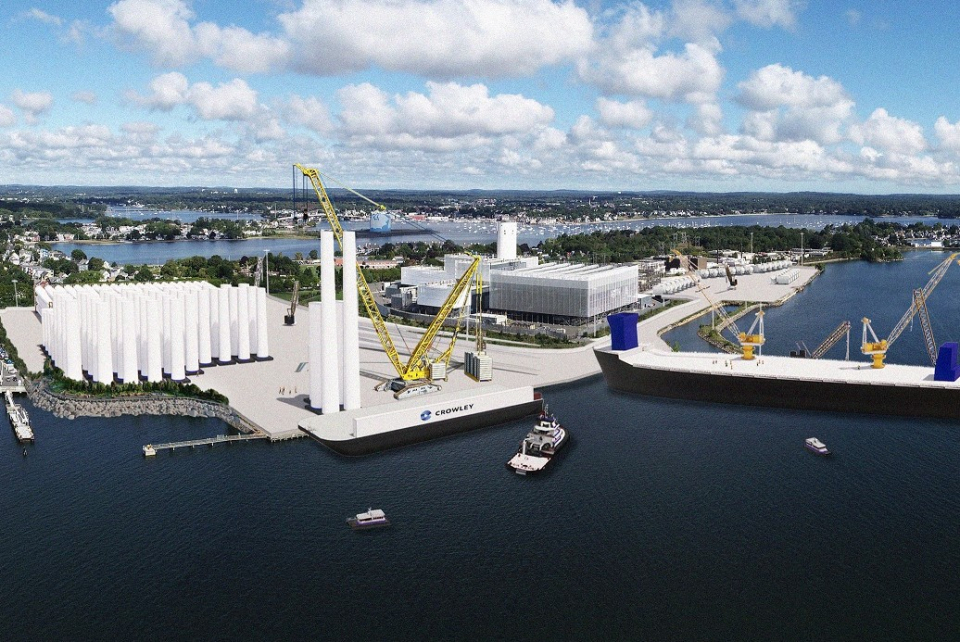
x=727, y=95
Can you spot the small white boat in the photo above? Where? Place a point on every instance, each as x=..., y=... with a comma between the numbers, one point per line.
x=815, y=445
x=149, y=451
x=373, y=518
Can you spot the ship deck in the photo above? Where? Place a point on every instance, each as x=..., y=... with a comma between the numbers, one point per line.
x=776, y=367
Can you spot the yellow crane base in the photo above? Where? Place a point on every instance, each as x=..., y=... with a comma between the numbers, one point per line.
x=877, y=360
x=748, y=352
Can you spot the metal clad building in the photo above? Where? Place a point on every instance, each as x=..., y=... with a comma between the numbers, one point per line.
x=564, y=289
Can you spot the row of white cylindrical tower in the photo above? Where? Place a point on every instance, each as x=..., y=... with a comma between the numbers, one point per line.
x=149, y=331
x=334, y=342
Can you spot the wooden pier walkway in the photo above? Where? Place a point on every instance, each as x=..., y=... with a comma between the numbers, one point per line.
x=152, y=449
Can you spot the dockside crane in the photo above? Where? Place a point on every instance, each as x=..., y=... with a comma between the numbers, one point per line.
x=877, y=348
x=419, y=365
x=751, y=339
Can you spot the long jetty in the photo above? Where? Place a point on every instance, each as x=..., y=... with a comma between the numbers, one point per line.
x=152, y=449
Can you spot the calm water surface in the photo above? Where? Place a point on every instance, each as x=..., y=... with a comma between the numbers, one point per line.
x=460, y=232
x=664, y=520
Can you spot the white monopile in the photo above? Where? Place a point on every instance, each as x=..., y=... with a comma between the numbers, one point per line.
x=154, y=341
x=128, y=368
x=351, y=322
x=191, y=340
x=328, y=312
x=104, y=345
x=314, y=355
x=243, y=322
x=223, y=306
x=177, y=351
x=263, y=341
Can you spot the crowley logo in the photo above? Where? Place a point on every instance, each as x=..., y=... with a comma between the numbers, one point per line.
x=425, y=415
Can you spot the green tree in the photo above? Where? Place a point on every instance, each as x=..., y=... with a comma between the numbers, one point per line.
x=143, y=275
x=78, y=254
x=95, y=263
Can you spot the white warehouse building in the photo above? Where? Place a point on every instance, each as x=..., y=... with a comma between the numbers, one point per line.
x=563, y=292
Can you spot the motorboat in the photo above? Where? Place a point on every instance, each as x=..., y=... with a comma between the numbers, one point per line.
x=815, y=445
x=373, y=518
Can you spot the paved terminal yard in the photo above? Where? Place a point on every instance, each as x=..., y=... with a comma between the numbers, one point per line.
x=273, y=394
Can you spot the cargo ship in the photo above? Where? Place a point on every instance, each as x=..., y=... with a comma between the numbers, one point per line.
x=410, y=421
x=784, y=382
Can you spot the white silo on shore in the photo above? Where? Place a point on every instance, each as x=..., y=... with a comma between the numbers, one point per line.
x=507, y=240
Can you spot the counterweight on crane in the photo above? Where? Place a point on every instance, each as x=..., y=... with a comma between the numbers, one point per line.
x=418, y=366
x=877, y=348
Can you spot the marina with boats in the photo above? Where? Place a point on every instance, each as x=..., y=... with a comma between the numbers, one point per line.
x=19, y=419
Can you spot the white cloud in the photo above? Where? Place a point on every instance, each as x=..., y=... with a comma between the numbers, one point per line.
x=698, y=20
x=42, y=16
x=790, y=105
x=630, y=115
x=768, y=13
x=775, y=86
x=948, y=133
x=449, y=116
x=888, y=133
x=32, y=104
x=310, y=112
x=7, y=117
x=692, y=76
x=163, y=29
x=234, y=100
x=86, y=97
x=438, y=38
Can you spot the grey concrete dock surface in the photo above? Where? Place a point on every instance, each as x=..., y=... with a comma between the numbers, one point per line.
x=273, y=394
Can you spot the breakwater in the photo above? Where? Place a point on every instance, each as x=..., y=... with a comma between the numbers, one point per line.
x=70, y=406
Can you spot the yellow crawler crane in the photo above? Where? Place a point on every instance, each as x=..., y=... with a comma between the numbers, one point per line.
x=877, y=348
x=418, y=365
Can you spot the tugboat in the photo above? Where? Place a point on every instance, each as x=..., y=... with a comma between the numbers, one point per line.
x=540, y=445
x=373, y=518
x=815, y=445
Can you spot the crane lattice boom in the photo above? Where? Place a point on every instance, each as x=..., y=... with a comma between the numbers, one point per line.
x=418, y=365
x=831, y=340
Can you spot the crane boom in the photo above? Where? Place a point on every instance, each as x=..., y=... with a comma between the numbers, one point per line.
x=938, y=274
x=418, y=365
x=920, y=303
x=831, y=340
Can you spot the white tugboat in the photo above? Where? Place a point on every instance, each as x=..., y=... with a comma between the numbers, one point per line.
x=373, y=518
x=539, y=446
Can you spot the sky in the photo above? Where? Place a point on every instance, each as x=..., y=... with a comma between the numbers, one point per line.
x=703, y=95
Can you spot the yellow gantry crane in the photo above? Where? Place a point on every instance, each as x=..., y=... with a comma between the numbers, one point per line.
x=750, y=340
x=418, y=365
x=877, y=348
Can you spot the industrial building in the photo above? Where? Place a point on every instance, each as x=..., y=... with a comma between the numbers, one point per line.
x=563, y=292
x=521, y=288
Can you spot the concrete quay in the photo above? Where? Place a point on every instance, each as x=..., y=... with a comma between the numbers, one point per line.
x=272, y=395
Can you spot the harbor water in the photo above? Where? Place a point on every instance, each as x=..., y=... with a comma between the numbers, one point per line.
x=662, y=520
x=462, y=232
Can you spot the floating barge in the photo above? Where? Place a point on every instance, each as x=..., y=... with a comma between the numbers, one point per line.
x=18, y=419
x=781, y=382
x=411, y=421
